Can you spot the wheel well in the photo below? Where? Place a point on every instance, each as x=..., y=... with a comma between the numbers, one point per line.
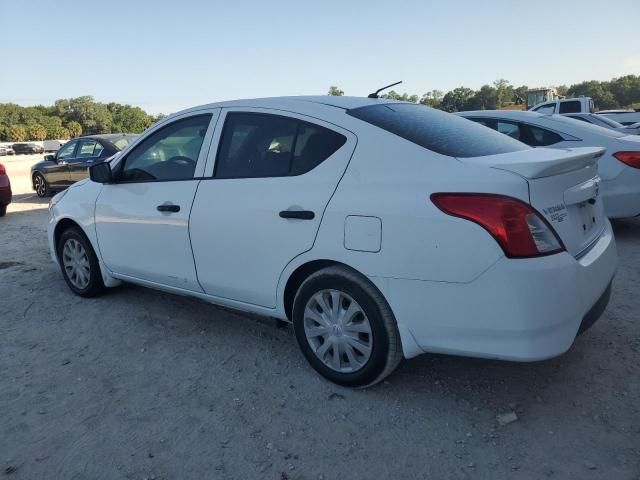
x=63, y=225
x=297, y=277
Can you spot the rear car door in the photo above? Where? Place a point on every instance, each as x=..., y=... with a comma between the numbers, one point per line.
x=142, y=219
x=89, y=150
x=57, y=173
x=263, y=199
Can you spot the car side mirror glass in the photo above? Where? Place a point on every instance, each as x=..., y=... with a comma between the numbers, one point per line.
x=101, y=173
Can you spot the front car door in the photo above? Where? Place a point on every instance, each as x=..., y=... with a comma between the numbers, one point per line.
x=142, y=219
x=56, y=174
x=263, y=198
x=89, y=150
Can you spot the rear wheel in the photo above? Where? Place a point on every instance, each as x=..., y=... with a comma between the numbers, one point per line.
x=79, y=263
x=40, y=185
x=345, y=328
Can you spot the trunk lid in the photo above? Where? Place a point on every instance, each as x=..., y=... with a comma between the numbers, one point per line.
x=563, y=186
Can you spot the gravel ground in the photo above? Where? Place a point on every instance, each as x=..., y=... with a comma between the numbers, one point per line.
x=141, y=384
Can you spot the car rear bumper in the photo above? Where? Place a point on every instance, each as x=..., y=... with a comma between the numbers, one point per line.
x=518, y=309
x=5, y=193
x=621, y=195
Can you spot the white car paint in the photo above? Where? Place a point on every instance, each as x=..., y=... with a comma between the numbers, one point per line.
x=448, y=282
x=620, y=182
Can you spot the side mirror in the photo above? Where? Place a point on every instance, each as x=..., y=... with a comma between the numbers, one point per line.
x=50, y=158
x=101, y=173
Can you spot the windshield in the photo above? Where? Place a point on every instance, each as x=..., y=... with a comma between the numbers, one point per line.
x=437, y=131
x=577, y=124
x=608, y=121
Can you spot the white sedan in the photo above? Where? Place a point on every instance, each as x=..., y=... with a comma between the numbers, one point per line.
x=380, y=229
x=619, y=167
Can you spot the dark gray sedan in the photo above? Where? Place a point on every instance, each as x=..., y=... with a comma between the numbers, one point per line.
x=70, y=163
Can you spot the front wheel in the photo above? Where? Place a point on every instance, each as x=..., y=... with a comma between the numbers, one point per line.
x=40, y=185
x=79, y=264
x=3, y=210
x=345, y=328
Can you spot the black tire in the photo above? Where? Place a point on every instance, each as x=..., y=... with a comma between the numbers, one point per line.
x=386, y=351
x=42, y=189
x=95, y=285
x=3, y=210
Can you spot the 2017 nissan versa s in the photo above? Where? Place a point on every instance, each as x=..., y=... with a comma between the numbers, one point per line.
x=381, y=229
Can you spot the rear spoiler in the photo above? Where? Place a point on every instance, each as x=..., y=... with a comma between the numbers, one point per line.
x=540, y=162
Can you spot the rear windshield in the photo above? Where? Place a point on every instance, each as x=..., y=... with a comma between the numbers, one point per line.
x=124, y=141
x=437, y=131
x=572, y=122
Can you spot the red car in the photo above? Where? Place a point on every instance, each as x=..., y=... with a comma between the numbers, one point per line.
x=5, y=190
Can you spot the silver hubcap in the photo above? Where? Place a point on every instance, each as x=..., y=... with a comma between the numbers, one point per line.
x=40, y=185
x=338, y=331
x=76, y=263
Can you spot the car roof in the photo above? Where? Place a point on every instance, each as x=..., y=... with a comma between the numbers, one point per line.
x=510, y=114
x=107, y=136
x=345, y=103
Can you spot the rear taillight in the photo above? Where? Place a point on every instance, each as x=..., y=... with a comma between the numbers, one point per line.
x=630, y=158
x=3, y=171
x=516, y=226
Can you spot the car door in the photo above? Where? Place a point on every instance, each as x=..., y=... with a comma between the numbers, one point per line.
x=89, y=150
x=142, y=218
x=57, y=171
x=263, y=199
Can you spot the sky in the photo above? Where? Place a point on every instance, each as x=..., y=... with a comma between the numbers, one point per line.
x=168, y=55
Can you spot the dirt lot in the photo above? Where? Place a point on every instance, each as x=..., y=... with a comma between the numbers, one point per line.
x=140, y=384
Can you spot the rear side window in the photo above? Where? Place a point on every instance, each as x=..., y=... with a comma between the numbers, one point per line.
x=258, y=145
x=437, y=131
x=572, y=106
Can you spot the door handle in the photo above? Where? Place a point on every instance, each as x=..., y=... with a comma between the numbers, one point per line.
x=298, y=214
x=168, y=208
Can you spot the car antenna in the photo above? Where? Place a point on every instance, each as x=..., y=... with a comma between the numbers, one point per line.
x=375, y=94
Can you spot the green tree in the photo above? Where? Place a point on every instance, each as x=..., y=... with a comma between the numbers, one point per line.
x=335, y=91
x=456, y=100
x=74, y=129
x=128, y=119
x=16, y=133
x=598, y=91
x=484, y=99
x=626, y=90
x=404, y=97
x=502, y=92
x=93, y=117
x=432, y=98
x=36, y=132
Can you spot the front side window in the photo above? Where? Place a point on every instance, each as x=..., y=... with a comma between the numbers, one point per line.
x=437, y=131
x=572, y=106
x=170, y=153
x=66, y=151
x=546, y=109
x=541, y=137
x=258, y=145
x=508, y=128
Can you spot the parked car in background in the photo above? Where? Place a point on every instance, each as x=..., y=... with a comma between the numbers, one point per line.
x=606, y=122
x=10, y=150
x=53, y=145
x=27, y=148
x=381, y=229
x=3, y=151
x=619, y=166
x=5, y=190
x=70, y=163
x=625, y=117
x=565, y=105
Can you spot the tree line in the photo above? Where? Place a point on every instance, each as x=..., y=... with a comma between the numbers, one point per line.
x=69, y=118
x=622, y=92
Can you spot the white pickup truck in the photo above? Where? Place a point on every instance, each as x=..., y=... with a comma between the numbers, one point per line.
x=585, y=105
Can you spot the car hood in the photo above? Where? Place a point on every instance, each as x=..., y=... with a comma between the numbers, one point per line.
x=80, y=183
